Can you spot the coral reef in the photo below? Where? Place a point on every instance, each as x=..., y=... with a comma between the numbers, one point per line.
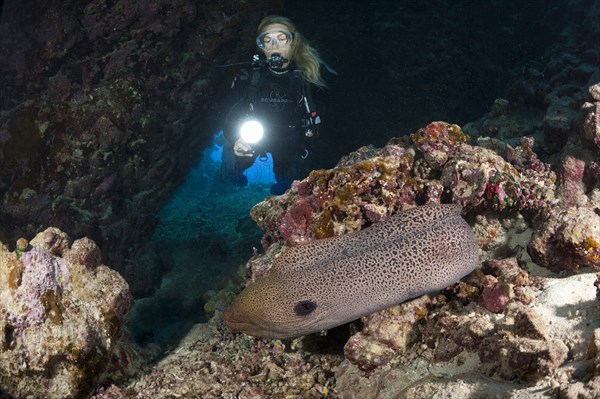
x=61, y=318
x=567, y=235
x=490, y=354
x=448, y=331
x=568, y=240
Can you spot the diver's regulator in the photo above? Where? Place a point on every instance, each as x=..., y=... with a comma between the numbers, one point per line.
x=275, y=61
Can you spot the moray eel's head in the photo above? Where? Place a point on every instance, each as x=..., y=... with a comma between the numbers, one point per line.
x=267, y=309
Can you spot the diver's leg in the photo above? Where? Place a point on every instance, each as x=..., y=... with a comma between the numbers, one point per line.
x=237, y=176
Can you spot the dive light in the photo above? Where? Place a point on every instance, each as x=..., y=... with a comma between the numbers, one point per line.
x=252, y=131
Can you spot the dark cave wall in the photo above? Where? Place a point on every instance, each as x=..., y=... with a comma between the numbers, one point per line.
x=105, y=106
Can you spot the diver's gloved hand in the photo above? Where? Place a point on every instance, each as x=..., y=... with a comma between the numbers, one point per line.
x=242, y=149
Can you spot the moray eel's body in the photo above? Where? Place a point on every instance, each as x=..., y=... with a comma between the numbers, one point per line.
x=329, y=282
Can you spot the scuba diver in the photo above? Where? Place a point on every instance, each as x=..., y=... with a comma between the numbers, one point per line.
x=273, y=109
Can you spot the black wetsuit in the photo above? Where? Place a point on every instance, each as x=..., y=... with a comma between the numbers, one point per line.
x=277, y=99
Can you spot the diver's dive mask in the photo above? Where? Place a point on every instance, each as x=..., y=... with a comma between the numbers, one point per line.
x=274, y=38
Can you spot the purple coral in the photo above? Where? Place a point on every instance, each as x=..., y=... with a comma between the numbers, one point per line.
x=42, y=273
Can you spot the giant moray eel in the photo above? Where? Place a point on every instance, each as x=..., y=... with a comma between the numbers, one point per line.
x=332, y=281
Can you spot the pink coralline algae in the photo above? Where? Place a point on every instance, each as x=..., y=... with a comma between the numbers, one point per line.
x=495, y=297
x=61, y=317
x=36, y=283
x=571, y=189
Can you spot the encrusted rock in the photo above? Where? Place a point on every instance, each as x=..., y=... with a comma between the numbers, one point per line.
x=386, y=334
x=521, y=347
x=495, y=296
x=522, y=358
x=589, y=115
x=439, y=141
x=82, y=141
x=84, y=252
x=451, y=334
x=366, y=353
x=60, y=321
x=571, y=189
x=371, y=184
x=480, y=178
x=593, y=354
x=515, y=346
x=567, y=240
x=581, y=390
x=396, y=326
x=561, y=117
x=52, y=240
x=595, y=91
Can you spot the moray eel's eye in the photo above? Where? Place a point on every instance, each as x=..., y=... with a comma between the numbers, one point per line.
x=304, y=308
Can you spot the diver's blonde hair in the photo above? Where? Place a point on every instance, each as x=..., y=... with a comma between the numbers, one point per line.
x=306, y=57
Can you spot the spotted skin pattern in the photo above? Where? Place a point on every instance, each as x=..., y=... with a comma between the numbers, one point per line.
x=329, y=282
